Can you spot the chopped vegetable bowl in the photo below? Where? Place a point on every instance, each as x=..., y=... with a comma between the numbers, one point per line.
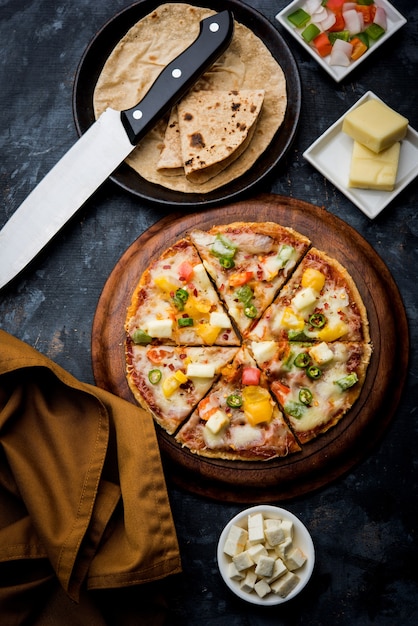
x=265, y=555
x=339, y=34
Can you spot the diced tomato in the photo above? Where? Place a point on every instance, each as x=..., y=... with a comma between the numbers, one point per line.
x=185, y=270
x=359, y=48
x=157, y=355
x=250, y=376
x=323, y=44
x=280, y=390
x=240, y=278
x=334, y=5
x=339, y=23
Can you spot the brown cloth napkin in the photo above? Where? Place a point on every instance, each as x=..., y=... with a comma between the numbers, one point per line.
x=83, y=499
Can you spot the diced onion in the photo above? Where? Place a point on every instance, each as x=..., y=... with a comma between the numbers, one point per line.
x=380, y=18
x=312, y=6
x=329, y=21
x=341, y=53
x=352, y=21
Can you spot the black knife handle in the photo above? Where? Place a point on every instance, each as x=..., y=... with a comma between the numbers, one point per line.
x=178, y=76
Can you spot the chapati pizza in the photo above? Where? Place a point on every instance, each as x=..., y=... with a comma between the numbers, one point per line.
x=245, y=342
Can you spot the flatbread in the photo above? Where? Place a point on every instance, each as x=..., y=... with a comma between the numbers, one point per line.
x=155, y=41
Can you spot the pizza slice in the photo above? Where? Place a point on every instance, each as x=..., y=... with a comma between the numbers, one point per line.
x=238, y=419
x=319, y=303
x=176, y=303
x=169, y=380
x=249, y=262
x=315, y=384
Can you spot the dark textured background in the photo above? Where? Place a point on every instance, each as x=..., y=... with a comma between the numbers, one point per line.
x=364, y=525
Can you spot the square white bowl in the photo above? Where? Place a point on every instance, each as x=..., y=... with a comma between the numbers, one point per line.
x=331, y=153
x=394, y=20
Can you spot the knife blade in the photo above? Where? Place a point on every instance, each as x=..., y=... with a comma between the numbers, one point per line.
x=93, y=158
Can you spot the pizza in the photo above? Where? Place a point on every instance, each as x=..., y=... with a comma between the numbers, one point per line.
x=245, y=342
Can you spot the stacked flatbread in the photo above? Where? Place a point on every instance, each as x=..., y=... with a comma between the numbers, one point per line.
x=225, y=122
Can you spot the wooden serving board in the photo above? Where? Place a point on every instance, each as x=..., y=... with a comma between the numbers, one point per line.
x=330, y=455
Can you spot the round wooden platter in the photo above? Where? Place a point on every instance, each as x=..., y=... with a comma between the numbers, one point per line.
x=330, y=455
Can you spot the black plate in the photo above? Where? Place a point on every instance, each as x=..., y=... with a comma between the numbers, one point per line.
x=106, y=39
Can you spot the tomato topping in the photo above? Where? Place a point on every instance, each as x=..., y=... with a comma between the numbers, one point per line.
x=185, y=270
x=157, y=355
x=240, y=278
x=250, y=376
x=281, y=391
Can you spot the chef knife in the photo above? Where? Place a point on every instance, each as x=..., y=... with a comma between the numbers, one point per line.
x=102, y=148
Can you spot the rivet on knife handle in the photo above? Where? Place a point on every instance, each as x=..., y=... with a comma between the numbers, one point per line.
x=176, y=78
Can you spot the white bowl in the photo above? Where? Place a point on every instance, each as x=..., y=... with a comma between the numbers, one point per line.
x=394, y=20
x=301, y=539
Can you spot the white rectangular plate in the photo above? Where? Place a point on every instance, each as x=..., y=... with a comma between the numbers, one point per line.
x=330, y=154
x=394, y=19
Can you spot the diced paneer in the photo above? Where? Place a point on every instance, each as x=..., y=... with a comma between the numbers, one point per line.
x=256, y=551
x=287, y=527
x=236, y=540
x=284, y=548
x=200, y=370
x=265, y=566
x=249, y=581
x=285, y=584
x=233, y=573
x=278, y=570
x=263, y=350
x=305, y=298
x=256, y=527
x=274, y=532
x=200, y=277
x=321, y=353
x=295, y=559
x=161, y=329
x=219, y=318
x=217, y=421
x=262, y=588
x=242, y=561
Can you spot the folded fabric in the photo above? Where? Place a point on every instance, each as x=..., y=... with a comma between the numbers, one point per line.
x=83, y=498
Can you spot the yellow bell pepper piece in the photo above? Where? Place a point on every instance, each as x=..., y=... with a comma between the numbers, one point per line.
x=166, y=285
x=195, y=306
x=208, y=333
x=313, y=278
x=180, y=376
x=170, y=385
x=291, y=320
x=257, y=404
x=333, y=332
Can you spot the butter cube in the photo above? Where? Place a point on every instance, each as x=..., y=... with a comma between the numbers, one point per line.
x=285, y=584
x=236, y=540
x=369, y=170
x=375, y=125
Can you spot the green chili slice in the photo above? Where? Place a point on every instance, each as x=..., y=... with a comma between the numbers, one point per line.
x=245, y=294
x=314, y=372
x=317, y=320
x=302, y=360
x=180, y=298
x=154, y=376
x=185, y=321
x=234, y=401
x=140, y=336
x=226, y=262
x=305, y=396
x=250, y=311
x=347, y=381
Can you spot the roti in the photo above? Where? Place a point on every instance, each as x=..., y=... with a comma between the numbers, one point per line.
x=155, y=41
x=263, y=390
